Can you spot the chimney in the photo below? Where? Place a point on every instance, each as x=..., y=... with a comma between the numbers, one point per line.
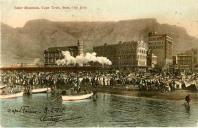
x=80, y=45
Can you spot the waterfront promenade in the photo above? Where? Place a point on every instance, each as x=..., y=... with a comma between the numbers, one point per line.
x=148, y=84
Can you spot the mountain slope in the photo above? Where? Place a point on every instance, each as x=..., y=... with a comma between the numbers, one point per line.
x=27, y=43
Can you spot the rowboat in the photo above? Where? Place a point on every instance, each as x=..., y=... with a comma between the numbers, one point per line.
x=78, y=97
x=10, y=96
x=40, y=90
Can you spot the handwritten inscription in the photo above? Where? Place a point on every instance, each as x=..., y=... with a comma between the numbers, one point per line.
x=50, y=115
x=23, y=109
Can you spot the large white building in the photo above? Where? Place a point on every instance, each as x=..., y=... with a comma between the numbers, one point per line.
x=142, y=49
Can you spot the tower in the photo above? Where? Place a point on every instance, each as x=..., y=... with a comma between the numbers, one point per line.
x=80, y=45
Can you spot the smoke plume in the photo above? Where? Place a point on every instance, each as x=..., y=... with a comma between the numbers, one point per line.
x=37, y=61
x=82, y=59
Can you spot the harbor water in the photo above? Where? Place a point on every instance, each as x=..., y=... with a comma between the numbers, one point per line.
x=42, y=110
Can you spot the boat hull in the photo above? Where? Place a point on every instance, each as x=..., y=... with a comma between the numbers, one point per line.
x=74, y=98
x=1, y=87
x=41, y=90
x=11, y=96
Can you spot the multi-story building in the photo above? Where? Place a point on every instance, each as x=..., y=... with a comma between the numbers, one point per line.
x=52, y=54
x=109, y=51
x=183, y=62
x=162, y=46
x=125, y=54
x=194, y=53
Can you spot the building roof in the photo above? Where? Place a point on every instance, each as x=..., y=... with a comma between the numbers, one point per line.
x=151, y=34
x=101, y=46
x=63, y=48
x=123, y=43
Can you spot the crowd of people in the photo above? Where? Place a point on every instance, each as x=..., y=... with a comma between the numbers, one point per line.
x=87, y=81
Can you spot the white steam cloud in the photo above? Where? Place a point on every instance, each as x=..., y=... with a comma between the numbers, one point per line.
x=82, y=59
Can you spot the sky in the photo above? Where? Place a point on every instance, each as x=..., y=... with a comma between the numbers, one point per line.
x=175, y=12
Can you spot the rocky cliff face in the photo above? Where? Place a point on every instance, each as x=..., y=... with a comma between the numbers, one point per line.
x=27, y=43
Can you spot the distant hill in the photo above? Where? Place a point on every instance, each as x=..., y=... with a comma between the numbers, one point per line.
x=27, y=43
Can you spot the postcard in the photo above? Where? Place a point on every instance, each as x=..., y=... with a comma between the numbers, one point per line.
x=99, y=63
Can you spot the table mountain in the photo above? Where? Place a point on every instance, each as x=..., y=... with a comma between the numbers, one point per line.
x=26, y=43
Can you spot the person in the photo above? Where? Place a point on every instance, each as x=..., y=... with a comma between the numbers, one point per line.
x=187, y=104
x=188, y=99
